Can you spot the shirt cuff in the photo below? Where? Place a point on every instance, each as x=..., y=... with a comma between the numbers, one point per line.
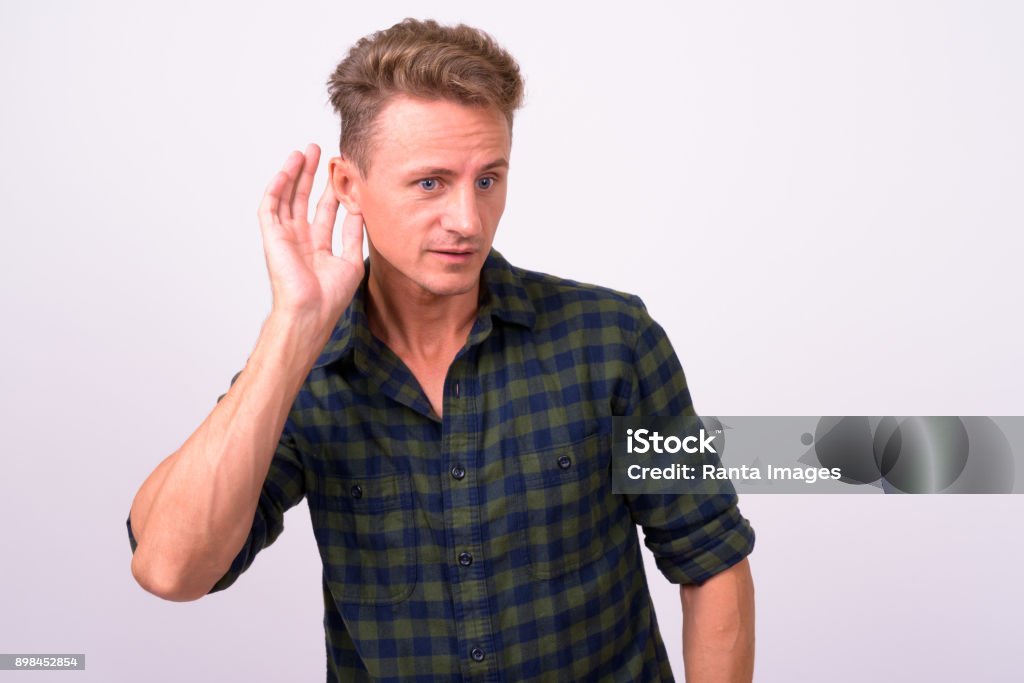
x=131, y=536
x=714, y=547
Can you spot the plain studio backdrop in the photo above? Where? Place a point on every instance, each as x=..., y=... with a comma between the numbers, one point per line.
x=821, y=203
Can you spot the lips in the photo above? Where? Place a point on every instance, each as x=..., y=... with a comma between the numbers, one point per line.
x=453, y=256
x=454, y=252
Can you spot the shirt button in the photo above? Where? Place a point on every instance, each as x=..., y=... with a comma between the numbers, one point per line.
x=465, y=559
x=477, y=654
x=456, y=390
x=458, y=471
x=564, y=461
x=357, y=491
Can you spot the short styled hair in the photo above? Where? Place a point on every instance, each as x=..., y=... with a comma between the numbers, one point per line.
x=420, y=59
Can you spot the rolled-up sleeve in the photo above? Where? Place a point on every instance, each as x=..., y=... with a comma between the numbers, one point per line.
x=283, y=488
x=692, y=537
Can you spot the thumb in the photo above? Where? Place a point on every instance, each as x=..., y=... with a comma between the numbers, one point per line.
x=352, y=238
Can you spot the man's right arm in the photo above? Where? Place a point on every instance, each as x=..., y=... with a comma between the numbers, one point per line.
x=193, y=514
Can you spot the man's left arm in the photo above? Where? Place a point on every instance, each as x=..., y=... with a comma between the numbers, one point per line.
x=718, y=627
x=698, y=542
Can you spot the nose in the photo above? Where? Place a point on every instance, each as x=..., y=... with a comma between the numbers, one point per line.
x=462, y=213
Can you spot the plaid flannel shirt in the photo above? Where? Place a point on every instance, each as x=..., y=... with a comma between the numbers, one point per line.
x=487, y=545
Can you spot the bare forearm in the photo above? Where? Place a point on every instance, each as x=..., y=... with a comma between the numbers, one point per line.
x=718, y=628
x=192, y=515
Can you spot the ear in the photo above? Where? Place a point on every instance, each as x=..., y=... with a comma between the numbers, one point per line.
x=347, y=182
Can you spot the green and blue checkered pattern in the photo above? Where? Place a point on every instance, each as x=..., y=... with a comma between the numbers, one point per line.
x=487, y=545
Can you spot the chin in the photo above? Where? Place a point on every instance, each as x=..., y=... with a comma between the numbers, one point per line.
x=450, y=286
x=449, y=281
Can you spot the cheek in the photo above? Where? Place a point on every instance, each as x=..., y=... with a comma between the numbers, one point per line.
x=493, y=209
x=397, y=224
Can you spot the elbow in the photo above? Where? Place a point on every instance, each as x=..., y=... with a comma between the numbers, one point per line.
x=164, y=584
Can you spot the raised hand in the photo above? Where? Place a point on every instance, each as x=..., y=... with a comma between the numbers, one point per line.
x=306, y=278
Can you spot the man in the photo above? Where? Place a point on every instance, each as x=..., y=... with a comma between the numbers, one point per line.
x=446, y=415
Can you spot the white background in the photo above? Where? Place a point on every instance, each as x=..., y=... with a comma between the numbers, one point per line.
x=820, y=201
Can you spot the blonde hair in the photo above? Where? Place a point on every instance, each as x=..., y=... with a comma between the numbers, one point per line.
x=421, y=59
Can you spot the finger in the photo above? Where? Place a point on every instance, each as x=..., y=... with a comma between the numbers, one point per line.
x=300, y=201
x=352, y=238
x=291, y=169
x=322, y=228
x=268, y=209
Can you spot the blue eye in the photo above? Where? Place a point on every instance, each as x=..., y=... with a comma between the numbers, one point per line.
x=429, y=184
x=485, y=183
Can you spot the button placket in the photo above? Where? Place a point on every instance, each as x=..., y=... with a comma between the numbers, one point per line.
x=461, y=444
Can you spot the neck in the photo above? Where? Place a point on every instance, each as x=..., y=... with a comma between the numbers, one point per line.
x=414, y=322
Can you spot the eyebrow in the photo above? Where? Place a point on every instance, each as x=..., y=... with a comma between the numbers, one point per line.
x=447, y=172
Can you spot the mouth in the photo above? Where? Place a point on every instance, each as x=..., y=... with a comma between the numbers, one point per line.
x=454, y=255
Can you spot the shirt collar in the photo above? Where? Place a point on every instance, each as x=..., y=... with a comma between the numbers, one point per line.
x=505, y=298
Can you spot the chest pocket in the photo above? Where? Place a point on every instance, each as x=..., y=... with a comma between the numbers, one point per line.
x=368, y=538
x=568, y=505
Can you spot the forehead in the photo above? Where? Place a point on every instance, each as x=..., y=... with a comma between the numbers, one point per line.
x=413, y=130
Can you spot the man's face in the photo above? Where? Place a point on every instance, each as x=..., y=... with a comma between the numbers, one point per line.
x=434, y=193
